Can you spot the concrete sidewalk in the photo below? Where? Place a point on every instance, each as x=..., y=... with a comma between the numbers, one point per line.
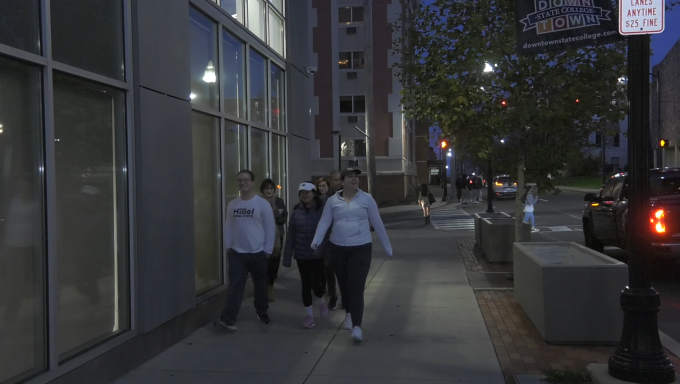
x=422, y=324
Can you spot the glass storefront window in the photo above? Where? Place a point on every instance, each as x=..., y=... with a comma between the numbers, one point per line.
x=278, y=106
x=279, y=5
x=256, y=17
x=233, y=8
x=89, y=35
x=259, y=155
x=22, y=276
x=276, y=33
x=91, y=214
x=279, y=164
x=235, y=157
x=234, y=76
x=20, y=24
x=203, y=60
x=207, y=202
x=258, y=88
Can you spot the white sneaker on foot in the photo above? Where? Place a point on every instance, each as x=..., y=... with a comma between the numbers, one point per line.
x=356, y=334
x=347, y=324
x=535, y=230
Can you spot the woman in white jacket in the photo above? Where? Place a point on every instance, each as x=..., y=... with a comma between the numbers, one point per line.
x=352, y=212
x=529, y=202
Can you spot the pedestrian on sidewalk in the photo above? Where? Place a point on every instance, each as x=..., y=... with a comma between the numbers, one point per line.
x=480, y=187
x=323, y=188
x=463, y=183
x=351, y=212
x=301, y=229
x=425, y=199
x=459, y=187
x=268, y=192
x=529, y=201
x=249, y=235
x=474, y=189
x=331, y=285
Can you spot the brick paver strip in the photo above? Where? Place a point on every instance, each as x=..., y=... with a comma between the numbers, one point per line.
x=520, y=348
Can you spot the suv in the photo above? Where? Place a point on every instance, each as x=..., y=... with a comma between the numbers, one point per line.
x=504, y=186
x=605, y=214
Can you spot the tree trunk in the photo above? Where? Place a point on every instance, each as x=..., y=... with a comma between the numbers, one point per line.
x=519, y=208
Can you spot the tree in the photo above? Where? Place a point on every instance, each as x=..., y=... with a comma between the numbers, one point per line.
x=463, y=71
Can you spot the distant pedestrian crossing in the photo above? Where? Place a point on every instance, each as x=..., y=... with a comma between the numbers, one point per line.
x=451, y=219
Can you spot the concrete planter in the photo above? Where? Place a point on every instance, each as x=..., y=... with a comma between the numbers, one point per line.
x=497, y=237
x=478, y=222
x=570, y=292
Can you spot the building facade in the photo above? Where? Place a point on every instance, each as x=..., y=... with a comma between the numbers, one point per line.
x=338, y=103
x=123, y=124
x=665, y=108
x=611, y=149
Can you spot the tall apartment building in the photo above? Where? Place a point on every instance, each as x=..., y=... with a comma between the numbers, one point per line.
x=338, y=103
x=123, y=124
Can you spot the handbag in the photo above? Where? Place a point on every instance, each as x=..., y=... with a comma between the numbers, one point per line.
x=430, y=198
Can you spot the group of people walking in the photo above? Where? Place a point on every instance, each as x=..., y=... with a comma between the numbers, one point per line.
x=469, y=188
x=329, y=236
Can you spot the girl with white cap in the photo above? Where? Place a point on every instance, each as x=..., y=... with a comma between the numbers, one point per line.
x=303, y=222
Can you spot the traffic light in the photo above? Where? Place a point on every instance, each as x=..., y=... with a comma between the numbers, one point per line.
x=577, y=101
x=444, y=144
x=663, y=143
x=504, y=103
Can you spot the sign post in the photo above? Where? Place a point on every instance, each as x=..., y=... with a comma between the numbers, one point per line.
x=639, y=356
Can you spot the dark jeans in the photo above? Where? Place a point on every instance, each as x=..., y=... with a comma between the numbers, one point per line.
x=330, y=277
x=351, y=265
x=459, y=191
x=273, y=265
x=312, y=278
x=239, y=266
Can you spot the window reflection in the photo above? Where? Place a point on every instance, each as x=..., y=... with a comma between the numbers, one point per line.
x=256, y=17
x=20, y=25
x=22, y=278
x=258, y=88
x=234, y=75
x=207, y=197
x=203, y=60
x=278, y=107
x=259, y=157
x=235, y=157
x=233, y=8
x=91, y=213
x=276, y=33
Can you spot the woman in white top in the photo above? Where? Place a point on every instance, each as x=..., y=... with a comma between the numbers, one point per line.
x=529, y=202
x=352, y=212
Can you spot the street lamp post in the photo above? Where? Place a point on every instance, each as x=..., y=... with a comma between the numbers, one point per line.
x=639, y=358
x=489, y=188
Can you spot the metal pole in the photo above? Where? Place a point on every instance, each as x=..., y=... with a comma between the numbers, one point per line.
x=340, y=152
x=370, y=113
x=489, y=189
x=639, y=357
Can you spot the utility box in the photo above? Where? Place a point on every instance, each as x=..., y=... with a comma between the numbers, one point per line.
x=570, y=292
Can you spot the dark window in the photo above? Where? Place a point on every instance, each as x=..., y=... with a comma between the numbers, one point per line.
x=617, y=187
x=345, y=104
x=20, y=24
x=360, y=147
x=357, y=14
x=359, y=104
x=617, y=140
x=664, y=184
x=348, y=15
x=598, y=140
x=608, y=189
x=357, y=60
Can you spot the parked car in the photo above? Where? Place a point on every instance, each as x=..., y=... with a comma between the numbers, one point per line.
x=504, y=186
x=605, y=214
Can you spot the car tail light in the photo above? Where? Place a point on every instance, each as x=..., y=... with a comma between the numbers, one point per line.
x=658, y=221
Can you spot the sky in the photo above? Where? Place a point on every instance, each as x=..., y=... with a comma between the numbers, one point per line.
x=663, y=42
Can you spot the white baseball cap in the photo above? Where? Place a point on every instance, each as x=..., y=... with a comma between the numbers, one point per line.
x=306, y=186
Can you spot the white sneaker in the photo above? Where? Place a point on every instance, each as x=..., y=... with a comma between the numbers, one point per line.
x=356, y=334
x=347, y=324
x=535, y=230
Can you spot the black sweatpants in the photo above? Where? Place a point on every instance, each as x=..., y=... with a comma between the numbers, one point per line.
x=312, y=278
x=273, y=265
x=351, y=265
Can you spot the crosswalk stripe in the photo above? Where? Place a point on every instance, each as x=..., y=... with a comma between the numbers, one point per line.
x=451, y=219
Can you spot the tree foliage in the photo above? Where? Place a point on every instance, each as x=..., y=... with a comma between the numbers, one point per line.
x=553, y=100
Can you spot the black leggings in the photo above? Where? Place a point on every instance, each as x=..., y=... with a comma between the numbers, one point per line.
x=312, y=277
x=273, y=266
x=351, y=265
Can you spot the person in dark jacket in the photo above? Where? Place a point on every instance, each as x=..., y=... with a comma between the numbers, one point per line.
x=459, y=187
x=268, y=192
x=301, y=229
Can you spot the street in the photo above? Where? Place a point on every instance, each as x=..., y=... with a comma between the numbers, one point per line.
x=559, y=219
